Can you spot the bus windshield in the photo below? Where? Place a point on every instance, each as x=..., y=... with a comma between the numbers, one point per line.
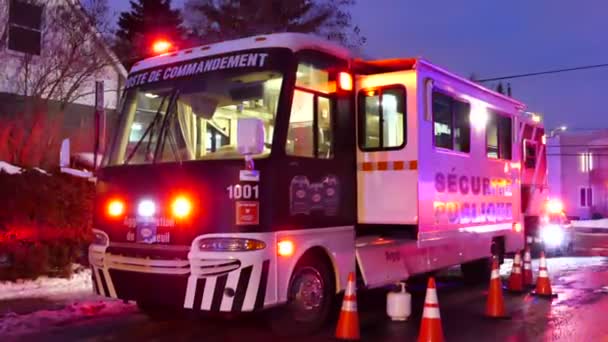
x=194, y=118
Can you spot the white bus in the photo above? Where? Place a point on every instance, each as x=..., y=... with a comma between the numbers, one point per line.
x=259, y=172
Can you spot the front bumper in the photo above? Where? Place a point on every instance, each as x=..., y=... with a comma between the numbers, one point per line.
x=179, y=276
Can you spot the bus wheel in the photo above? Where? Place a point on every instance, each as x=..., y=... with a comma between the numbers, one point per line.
x=310, y=298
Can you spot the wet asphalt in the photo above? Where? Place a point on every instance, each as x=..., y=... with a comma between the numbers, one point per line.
x=579, y=313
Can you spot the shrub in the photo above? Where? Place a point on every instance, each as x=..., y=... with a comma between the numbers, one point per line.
x=45, y=220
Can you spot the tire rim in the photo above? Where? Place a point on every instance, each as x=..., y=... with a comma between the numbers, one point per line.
x=307, y=294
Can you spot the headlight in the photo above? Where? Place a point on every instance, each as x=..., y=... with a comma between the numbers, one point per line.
x=230, y=244
x=552, y=235
x=100, y=238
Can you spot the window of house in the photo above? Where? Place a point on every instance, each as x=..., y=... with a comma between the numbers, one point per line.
x=586, y=162
x=25, y=27
x=499, y=136
x=382, y=118
x=586, y=197
x=451, y=125
x=530, y=154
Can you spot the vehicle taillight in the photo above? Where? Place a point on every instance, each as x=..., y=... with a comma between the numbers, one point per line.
x=116, y=208
x=181, y=207
x=285, y=248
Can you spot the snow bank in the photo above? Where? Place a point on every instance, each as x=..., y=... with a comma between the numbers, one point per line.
x=13, y=324
x=603, y=223
x=9, y=168
x=45, y=286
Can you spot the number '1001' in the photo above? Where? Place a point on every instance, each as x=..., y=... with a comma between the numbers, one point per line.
x=243, y=191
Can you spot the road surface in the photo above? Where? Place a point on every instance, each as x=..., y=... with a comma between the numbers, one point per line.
x=578, y=314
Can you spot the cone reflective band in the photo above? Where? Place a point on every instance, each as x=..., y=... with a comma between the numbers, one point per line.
x=543, y=284
x=430, y=327
x=495, y=306
x=527, y=275
x=348, y=323
x=515, y=280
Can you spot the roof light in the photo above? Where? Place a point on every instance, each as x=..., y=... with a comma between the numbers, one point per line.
x=150, y=95
x=181, y=207
x=285, y=248
x=115, y=208
x=345, y=81
x=517, y=227
x=146, y=208
x=161, y=46
x=555, y=206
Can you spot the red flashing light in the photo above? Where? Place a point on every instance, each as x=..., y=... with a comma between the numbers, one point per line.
x=181, y=207
x=115, y=208
x=161, y=46
x=555, y=206
x=286, y=248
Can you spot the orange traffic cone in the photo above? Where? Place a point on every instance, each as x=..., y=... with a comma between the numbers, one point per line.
x=527, y=275
x=430, y=327
x=495, y=306
x=348, y=323
x=543, y=284
x=516, y=283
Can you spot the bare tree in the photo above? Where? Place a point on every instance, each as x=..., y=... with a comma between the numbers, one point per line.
x=72, y=53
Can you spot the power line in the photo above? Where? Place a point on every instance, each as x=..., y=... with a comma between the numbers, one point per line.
x=585, y=67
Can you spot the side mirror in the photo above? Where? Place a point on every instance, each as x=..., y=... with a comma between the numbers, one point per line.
x=250, y=136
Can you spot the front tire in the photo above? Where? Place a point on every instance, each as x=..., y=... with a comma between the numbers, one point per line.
x=310, y=298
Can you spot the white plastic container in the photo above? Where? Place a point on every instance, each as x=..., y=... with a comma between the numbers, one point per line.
x=399, y=304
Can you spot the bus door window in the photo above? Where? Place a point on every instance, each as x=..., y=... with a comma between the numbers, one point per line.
x=310, y=114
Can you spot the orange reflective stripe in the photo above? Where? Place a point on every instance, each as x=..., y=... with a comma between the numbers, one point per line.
x=398, y=165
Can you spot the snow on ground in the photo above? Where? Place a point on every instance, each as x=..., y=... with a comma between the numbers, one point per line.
x=9, y=168
x=603, y=223
x=45, y=286
x=13, y=324
x=557, y=265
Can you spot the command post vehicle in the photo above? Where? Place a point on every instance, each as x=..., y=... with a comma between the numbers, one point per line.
x=259, y=172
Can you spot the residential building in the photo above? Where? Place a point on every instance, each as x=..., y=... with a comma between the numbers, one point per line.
x=578, y=171
x=51, y=56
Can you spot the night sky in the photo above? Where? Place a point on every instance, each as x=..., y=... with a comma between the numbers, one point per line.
x=499, y=38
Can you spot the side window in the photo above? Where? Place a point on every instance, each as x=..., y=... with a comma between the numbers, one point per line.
x=382, y=119
x=311, y=116
x=499, y=136
x=451, y=125
x=530, y=154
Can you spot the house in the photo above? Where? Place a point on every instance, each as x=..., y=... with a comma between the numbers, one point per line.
x=51, y=56
x=578, y=171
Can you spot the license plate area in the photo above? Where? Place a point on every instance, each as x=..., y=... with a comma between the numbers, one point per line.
x=146, y=233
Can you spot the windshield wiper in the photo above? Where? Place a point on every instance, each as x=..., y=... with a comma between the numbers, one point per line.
x=148, y=130
x=162, y=134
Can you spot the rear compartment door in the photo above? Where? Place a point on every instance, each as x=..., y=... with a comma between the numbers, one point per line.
x=387, y=176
